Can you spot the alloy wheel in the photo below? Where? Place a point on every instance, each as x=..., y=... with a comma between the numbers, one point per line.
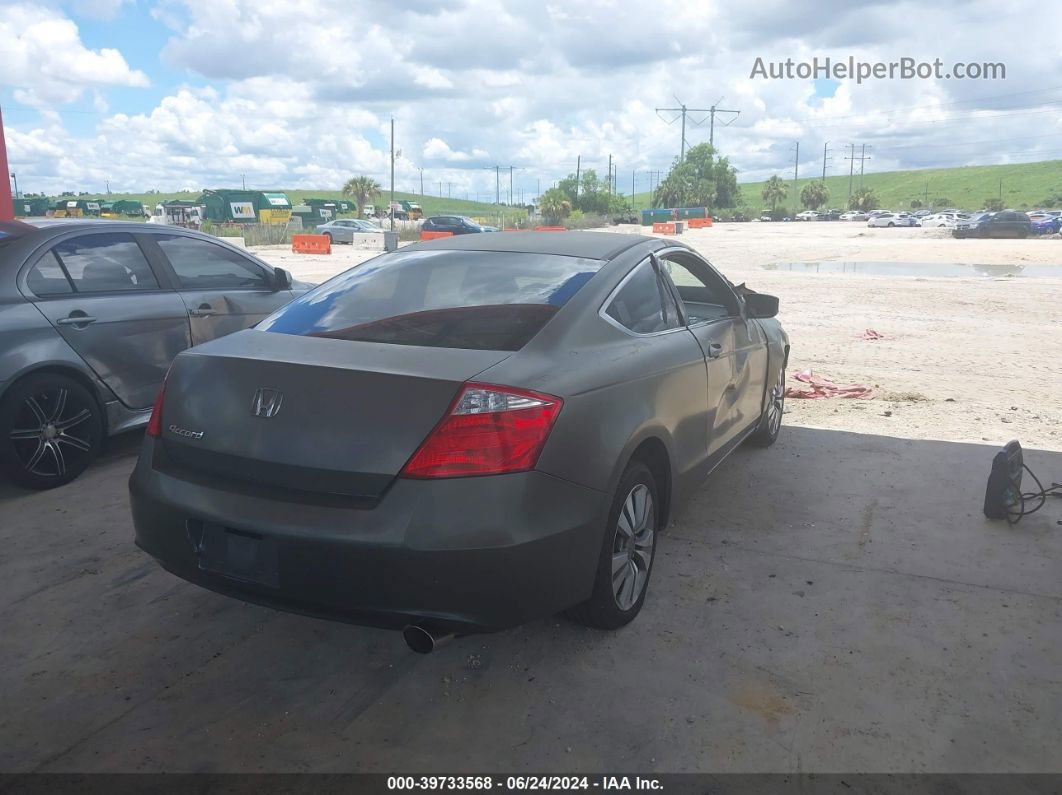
x=632, y=548
x=775, y=408
x=52, y=433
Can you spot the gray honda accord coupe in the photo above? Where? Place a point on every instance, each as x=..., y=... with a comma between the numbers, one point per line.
x=91, y=315
x=461, y=435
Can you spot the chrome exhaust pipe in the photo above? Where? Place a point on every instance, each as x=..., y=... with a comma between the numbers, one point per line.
x=423, y=640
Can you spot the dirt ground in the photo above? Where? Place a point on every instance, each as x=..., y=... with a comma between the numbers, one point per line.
x=974, y=359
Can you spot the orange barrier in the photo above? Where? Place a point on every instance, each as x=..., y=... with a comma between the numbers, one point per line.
x=551, y=229
x=699, y=223
x=429, y=235
x=663, y=229
x=311, y=244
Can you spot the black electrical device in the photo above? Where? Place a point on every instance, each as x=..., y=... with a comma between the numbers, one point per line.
x=1004, y=498
x=1003, y=495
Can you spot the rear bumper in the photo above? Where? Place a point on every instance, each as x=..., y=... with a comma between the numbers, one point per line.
x=467, y=554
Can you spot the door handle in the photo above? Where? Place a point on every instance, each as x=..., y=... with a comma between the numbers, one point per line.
x=203, y=311
x=75, y=320
x=714, y=351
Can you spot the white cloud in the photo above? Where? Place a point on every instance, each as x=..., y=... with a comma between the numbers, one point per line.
x=46, y=63
x=300, y=100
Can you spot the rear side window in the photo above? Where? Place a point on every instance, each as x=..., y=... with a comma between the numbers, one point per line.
x=47, y=277
x=643, y=304
x=205, y=266
x=104, y=263
x=483, y=300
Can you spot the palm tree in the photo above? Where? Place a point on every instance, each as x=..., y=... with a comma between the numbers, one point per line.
x=774, y=191
x=555, y=204
x=814, y=195
x=362, y=190
x=864, y=199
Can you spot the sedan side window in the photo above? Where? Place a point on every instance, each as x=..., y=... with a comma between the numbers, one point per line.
x=643, y=304
x=201, y=265
x=47, y=277
x=705, y=294
x=103, y=263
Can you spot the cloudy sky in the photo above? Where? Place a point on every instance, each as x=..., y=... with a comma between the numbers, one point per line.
x=174, y=94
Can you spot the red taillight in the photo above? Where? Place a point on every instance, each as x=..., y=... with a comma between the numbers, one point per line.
x=488, y=430
x=154, y=426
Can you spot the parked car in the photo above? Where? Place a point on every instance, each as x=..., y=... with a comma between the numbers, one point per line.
x=91, y=315
x=410, y=445
x=1006, y=223
x=936, y=220
x=854, y=215
x=343, y=230
x=1044, y=224
x=808, y=215
x=892, y=219
x=456, y=224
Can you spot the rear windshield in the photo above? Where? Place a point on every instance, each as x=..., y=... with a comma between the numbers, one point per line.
x=484, y=300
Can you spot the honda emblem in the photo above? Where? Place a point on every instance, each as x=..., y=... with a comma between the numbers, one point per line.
x=266, y=402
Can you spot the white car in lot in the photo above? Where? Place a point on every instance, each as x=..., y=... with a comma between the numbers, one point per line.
x=947, y=220
x=808, y=215
x=892, y=219
x=854, y=215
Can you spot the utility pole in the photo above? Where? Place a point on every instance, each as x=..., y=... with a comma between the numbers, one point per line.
x=390, y=206
x=825, y=152
x=449, y=190
x=106, y=182
x=796, y=167
x=440, y=188
x=862, y=156
x=421, y=170
x=243, y=179
x=633, y=174
x=851, y=170
x=578, y=163
x=711, y=124
x=682, y=110
x=610, y=174
x=15, y=177
x=497, y=182
x=510, y=186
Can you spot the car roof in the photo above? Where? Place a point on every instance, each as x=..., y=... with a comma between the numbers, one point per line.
x=591, y=245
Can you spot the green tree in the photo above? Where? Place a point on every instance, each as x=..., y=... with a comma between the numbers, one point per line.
x=814, y=195
x=916, y=204
x=555, y=204
x=362, y=190
x=774, y=191
x=993, y=205
x=864, y=200
x=700, y=180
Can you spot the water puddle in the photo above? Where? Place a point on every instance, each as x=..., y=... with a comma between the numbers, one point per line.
x=918, y=269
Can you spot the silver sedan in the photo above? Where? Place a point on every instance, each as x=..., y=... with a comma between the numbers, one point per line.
x=342, y=230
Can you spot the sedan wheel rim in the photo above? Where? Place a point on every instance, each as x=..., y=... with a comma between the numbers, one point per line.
x=774, y=410
x=632, y=547
x=52, y=433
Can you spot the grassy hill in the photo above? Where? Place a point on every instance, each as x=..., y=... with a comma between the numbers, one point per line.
x=433, y=205
x=1025, y=186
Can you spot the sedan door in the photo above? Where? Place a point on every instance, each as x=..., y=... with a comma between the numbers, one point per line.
x=735, y=348
x=101, y=295
x=223, y=290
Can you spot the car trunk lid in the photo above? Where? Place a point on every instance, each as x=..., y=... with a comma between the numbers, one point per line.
x=308, y=413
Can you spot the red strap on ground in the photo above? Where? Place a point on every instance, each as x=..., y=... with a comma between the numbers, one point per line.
x=870, y=334
x=819, y=387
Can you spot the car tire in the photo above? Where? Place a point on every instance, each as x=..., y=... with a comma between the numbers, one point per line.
x=628, y=551
x=891, y=224
x=770, y=426
x=51, y=429
x=329, y=236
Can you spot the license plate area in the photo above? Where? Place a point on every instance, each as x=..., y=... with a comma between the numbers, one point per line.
x=236, y=554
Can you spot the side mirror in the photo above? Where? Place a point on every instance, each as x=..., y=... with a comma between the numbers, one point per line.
x=760, y=305
x=282, y=279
